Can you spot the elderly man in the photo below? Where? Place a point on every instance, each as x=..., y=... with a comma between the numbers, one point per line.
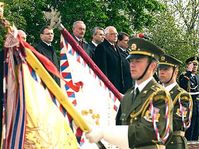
x=79, y=30
x=144, y=118
x=108, y=58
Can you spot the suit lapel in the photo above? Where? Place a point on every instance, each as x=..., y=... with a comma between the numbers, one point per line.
x=114, y=51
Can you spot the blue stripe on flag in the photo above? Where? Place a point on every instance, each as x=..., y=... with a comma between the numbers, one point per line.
x=34, y=75
x=23, y=121
x=14, y=132
x=63, y=67
x=63, y=56
x=66, y=87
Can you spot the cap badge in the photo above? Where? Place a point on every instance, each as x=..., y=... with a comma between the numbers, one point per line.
x=133, y=47
x=162, y=58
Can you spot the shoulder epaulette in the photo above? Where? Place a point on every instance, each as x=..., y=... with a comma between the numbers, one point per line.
x=183, y=73
x=183, y=95
x=160, y=95
x=183, y=92
x=156, y=87
x=159, y=92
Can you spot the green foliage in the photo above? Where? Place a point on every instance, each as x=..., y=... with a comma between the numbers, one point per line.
x=169, y=24
x=171, y=37
x=128, y=16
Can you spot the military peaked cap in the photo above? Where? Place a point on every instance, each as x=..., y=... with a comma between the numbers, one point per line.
x=167, y=60
x=192, y=59
x=140, y=46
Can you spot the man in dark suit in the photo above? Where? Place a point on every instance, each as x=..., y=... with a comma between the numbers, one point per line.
x=108, y=58
x=145, y=116
x=168, y=70
x=44, y=46
x=79, y=30
x=189, y=80
x=122, y=44
x=97, y=38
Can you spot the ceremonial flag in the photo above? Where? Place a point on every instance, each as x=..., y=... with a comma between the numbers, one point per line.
x=98, y=99
x=31, y=119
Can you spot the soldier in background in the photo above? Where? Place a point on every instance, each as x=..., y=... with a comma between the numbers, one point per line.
x=168, y=71
x=189, y=80
x=142, y=120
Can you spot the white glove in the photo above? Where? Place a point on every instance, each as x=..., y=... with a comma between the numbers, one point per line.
x=94, y=135
x=116, y=135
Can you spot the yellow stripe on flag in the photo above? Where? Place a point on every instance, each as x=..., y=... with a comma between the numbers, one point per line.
x=56, y=90
x=46, y=126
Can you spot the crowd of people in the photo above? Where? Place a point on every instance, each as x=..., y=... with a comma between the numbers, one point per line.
x=154, y=113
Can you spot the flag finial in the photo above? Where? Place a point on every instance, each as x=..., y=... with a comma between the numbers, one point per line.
x=53, y=17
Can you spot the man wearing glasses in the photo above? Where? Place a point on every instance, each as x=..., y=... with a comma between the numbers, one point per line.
x=189, y=80
x=108, y=58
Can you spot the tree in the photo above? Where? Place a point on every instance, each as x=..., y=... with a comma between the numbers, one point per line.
x=176, y=29
x=26, y=15
x=128, y=16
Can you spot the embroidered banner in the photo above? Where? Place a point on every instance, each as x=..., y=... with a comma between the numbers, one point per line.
x=95, y=101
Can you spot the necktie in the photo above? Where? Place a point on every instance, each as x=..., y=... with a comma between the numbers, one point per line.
x=135, y=93
x=113, y=46
x=81, y=43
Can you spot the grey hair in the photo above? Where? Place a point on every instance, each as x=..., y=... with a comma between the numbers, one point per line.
x=95, y=29
x=106, y=31
x=76, y=22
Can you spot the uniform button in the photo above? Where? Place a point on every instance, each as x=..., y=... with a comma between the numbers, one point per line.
x=135, y=118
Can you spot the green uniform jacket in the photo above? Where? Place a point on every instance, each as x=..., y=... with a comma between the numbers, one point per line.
x=136, y=114
x=178, y=141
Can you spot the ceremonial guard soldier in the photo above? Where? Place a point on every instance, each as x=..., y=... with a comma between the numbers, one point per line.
x=189, y=80
x=168, y=70
x=144, y=119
